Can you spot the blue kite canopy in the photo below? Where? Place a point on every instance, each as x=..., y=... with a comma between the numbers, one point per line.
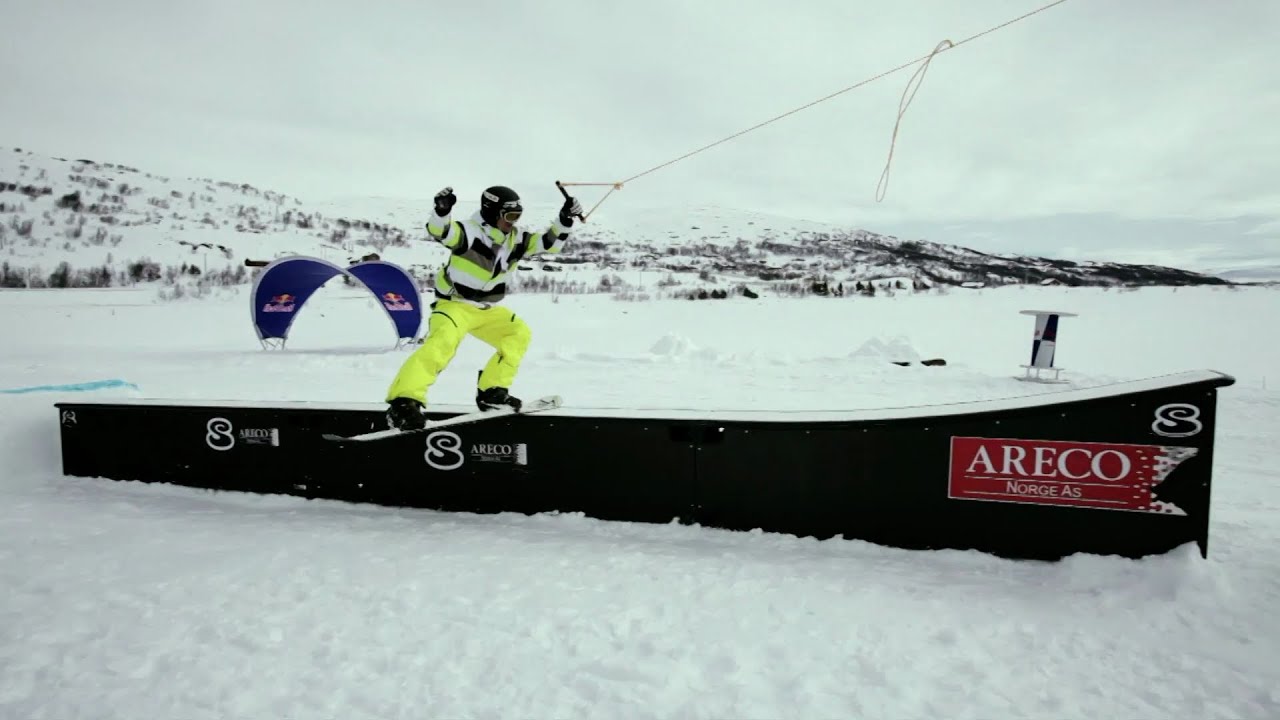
x=286, y=284
x=396, y=291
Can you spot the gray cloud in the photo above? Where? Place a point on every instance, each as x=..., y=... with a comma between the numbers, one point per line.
x=1145, y=110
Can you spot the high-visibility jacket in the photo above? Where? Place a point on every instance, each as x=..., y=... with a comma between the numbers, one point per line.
x=483, y=258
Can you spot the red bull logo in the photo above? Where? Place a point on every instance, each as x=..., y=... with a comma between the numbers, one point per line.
x=281, y=303
x=395, y=302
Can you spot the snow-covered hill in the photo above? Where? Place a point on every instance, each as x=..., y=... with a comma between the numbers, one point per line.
x=77, y=222
x=1260, y=272
x=116, y=224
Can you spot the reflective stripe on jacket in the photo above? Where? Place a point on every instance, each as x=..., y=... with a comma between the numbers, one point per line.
x=483, y=258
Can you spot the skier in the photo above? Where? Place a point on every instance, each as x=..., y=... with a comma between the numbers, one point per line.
x=486, y=248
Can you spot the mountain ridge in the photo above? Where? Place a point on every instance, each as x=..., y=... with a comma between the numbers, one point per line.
x=75, y=223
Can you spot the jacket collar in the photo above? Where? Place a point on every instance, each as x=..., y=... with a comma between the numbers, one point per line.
x=493, y=234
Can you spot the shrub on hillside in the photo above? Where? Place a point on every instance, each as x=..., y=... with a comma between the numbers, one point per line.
x=61, y=275
x=97, y=277
x=64, y=276
x=70, y=201
x=144, y=270
x=196, y=287
x=11, y=277
x=632, y=296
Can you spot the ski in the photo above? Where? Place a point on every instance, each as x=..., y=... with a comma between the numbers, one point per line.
x=550, y=402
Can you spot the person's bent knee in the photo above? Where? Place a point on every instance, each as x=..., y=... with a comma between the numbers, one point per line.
x=522, y=336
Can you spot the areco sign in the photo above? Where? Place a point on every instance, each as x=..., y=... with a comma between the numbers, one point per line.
x=1112, y=476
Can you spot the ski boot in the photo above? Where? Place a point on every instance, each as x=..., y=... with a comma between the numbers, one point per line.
x=496, y=397
x=406, y=414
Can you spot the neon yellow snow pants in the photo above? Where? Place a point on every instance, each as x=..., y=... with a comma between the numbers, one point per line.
x=449, y=323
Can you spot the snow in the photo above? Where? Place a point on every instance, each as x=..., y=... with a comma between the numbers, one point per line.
x=134, y=600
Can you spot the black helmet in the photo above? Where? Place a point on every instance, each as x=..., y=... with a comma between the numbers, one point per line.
x=502, y=202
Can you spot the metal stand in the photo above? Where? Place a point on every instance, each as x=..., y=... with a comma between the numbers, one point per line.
x=1044, y=342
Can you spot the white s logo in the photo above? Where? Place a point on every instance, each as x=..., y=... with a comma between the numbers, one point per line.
x=444, y=450
x=1177, y=420
x=218, y=434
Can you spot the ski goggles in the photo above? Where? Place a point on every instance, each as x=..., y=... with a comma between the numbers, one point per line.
x=512, y=215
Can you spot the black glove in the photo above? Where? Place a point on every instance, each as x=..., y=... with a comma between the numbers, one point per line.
x=570, y=209
x=444, y=201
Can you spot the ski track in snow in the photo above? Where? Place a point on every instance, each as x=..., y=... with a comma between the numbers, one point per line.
x=137, y=600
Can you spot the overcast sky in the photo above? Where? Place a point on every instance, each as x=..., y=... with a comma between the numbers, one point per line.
x=1143, y=130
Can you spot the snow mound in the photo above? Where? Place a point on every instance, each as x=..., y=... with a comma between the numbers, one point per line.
x=878, y=351
x=679, y=347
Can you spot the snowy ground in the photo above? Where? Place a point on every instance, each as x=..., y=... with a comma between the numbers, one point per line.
x=130, y=600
